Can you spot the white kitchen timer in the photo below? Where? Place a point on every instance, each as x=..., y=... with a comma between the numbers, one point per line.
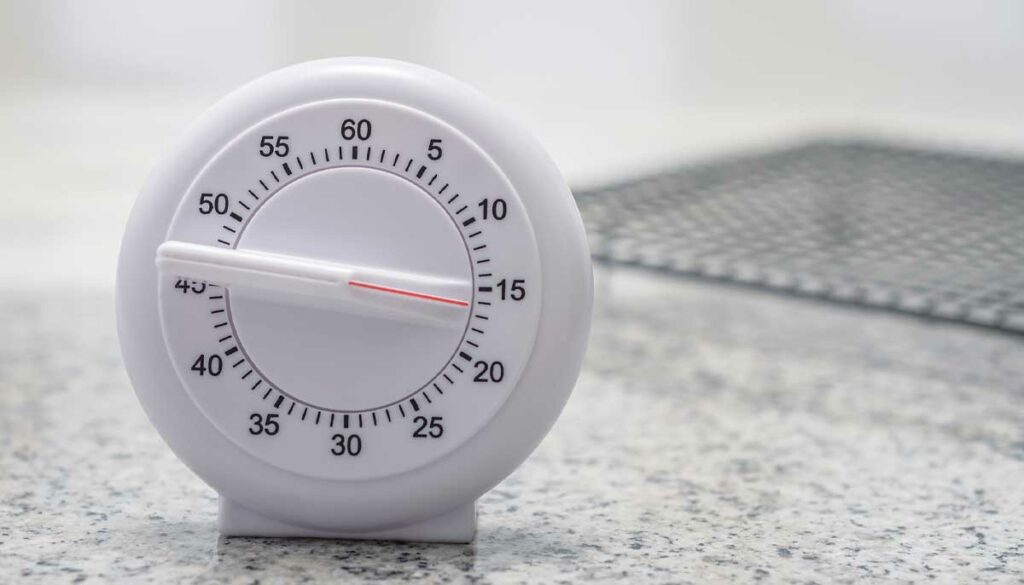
x=353, y=298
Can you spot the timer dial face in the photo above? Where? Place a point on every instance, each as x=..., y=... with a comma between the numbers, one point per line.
x=345, y=289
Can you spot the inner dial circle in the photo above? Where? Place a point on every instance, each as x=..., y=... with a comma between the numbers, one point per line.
x=347, y=357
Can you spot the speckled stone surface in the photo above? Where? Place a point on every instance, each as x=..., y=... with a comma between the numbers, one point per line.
x=716, y=435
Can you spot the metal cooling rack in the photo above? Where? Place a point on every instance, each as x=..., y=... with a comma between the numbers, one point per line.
x=917, y=231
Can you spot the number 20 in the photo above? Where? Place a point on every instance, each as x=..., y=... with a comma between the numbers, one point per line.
x=489, y=372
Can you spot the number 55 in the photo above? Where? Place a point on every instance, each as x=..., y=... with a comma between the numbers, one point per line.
x=269, y=146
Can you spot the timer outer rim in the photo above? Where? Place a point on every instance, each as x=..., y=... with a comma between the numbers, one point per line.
x=483, y=460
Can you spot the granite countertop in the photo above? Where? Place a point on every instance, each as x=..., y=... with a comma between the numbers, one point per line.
x=717, y=434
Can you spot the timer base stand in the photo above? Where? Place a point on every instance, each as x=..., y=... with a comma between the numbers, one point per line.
x=456, y=526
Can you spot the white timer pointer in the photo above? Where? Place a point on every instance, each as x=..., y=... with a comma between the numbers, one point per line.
x=403, y=296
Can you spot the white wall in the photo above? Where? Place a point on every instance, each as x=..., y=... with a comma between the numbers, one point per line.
x=649, y=80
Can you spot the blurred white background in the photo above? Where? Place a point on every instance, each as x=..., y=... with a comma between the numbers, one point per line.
x=94, y=92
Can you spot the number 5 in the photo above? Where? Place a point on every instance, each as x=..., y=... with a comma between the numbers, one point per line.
x=434, y=151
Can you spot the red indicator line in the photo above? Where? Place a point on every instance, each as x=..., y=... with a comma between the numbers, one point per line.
x=408, y=293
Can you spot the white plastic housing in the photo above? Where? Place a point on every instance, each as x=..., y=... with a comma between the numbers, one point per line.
x=420, y=495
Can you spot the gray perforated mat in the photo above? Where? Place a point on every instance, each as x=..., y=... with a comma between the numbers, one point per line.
x=918, y=231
